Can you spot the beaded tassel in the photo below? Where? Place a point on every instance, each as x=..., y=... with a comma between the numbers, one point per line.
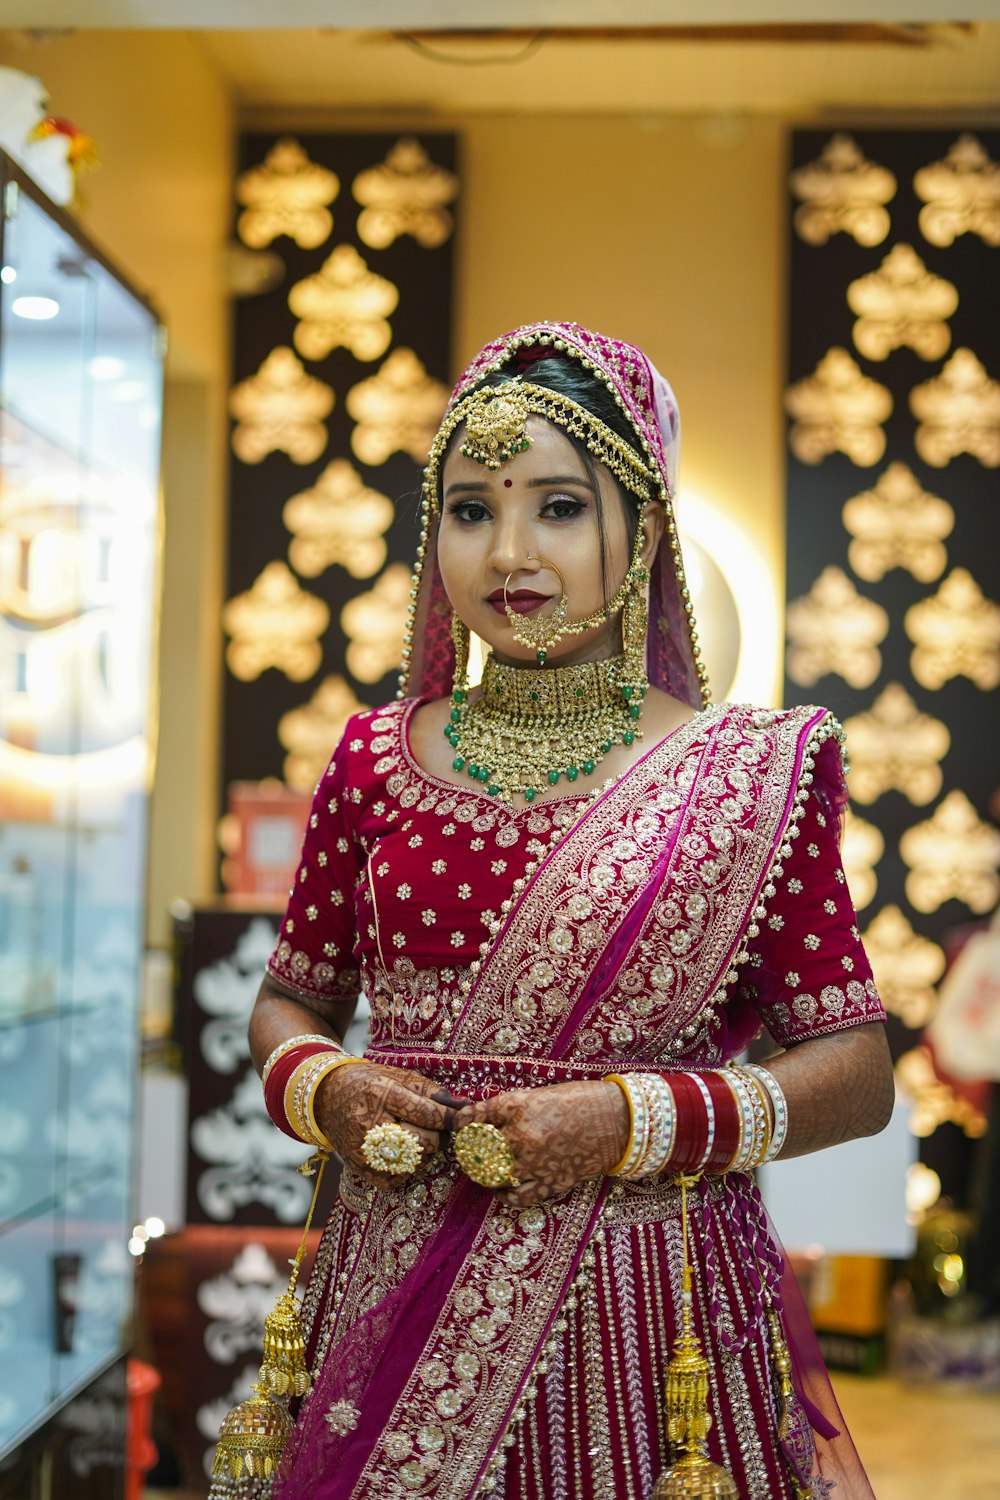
x=253, y=1435
x=688, y=1419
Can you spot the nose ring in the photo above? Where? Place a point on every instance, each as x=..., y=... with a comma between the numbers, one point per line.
x=541, y=634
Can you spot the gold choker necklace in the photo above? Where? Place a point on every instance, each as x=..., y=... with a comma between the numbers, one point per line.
x=529, y=728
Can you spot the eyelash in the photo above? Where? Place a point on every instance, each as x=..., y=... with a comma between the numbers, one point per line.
x=460, y=508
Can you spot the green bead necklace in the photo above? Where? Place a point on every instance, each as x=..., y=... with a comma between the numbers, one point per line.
x=529, y=729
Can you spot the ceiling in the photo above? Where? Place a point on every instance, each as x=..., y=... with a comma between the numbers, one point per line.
x=252, y=14
x=299, y=74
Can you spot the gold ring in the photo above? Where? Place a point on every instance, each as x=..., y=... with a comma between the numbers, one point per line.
x=392, y=1148
x=484, y=1154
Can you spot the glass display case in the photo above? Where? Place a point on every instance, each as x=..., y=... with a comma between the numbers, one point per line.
x=81, y=358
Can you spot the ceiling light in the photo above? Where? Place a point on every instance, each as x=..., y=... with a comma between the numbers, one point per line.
x=40, y=309
x=7, y=275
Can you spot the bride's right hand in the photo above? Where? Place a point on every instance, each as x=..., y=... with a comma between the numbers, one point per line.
x=352, y=1100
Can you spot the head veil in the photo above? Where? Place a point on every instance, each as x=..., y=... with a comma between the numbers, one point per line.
x=673, y=657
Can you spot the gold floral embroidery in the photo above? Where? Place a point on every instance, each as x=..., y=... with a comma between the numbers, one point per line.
x=955, y=633
x=958, y=412
x=906, y=966
x=838, y=409
x=275, y=624
x=338, y=520
x=961, y=195
x=902, y=305
x=343, y=305
x=835, y=629
x=894, y=747
x=397, y=409
x=405, y=194
x=897, y=524
x=934, y=1101
x=953, y=856
x=288, y=194
x=308, y=732
x=374, y=624
x=280, y=408
x=862, y=849
x=842, y=192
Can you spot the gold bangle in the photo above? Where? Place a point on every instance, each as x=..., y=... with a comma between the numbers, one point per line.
x=623, y=1085
x=330, y=1067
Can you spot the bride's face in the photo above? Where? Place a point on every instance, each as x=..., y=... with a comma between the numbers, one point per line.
x=517, y=525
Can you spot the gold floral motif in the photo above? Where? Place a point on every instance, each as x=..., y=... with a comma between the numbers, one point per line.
x=845, y=192
x=953, y=856
x=400, y=408
x=906, y=967
x=835, y=629
x=902, y=305
x=961, y=195
x=343, y=306
x=894, y=747
x=934, y=1101
x=862, y=849
x=275, y=624
x=958, y=412
x=837, y=408
x=338, y=520
x=280, y=408
x=287, y=194
x=405, y=194
x=896, y=524
x=955, y=633
x=374, y=623
x=310, y=732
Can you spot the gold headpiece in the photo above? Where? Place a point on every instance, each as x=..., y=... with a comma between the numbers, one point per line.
x=496, y=419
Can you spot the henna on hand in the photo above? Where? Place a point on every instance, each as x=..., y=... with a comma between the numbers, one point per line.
x=351, y=1100
x=561, y=1134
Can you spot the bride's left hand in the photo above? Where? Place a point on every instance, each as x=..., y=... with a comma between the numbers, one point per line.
x=560, y=1134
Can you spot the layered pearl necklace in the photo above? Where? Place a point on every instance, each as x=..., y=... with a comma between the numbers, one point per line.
x=530, y=728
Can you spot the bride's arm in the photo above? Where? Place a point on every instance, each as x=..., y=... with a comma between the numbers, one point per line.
x=837, y=1087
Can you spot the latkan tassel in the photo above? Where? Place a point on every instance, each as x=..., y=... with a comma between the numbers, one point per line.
x=252, y=1439
x=693, y=1476
x=284, y=1372
x=253, y=1435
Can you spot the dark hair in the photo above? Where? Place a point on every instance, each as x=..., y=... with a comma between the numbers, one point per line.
x=567, y=377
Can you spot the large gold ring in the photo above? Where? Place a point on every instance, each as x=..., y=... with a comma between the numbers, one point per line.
x=392, y=1148
x=484, y=1155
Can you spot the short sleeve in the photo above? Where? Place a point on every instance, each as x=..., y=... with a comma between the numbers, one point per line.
x=807, y=972
x=315, y=951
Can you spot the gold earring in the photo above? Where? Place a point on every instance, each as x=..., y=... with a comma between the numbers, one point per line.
x=541, y=634
x=635, y=620
x=460, y=641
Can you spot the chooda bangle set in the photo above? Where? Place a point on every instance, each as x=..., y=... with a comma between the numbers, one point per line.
x=291, y=1077
x=717, y=1120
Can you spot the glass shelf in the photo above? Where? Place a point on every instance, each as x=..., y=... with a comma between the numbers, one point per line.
x=80, y=401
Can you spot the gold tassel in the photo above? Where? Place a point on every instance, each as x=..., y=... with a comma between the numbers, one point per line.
x=253, y=1435
x=635, y=621
x=688, y=1419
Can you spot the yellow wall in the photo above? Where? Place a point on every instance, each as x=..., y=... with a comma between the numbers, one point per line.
x=159, y=205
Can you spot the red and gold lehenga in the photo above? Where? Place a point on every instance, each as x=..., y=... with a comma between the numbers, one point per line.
x=461, y=1347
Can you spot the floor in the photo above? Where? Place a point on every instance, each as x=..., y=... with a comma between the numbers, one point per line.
x=935, y=1443
x=924, y=1443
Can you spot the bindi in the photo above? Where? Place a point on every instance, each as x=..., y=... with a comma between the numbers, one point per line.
x=507, y=483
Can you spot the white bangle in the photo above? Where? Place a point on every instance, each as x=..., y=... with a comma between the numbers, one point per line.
x=779, y=1105
x=329, y=1042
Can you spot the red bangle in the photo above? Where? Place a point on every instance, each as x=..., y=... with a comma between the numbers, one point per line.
x=727, y=1122
x=692, y=1123
x=277, y=1081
